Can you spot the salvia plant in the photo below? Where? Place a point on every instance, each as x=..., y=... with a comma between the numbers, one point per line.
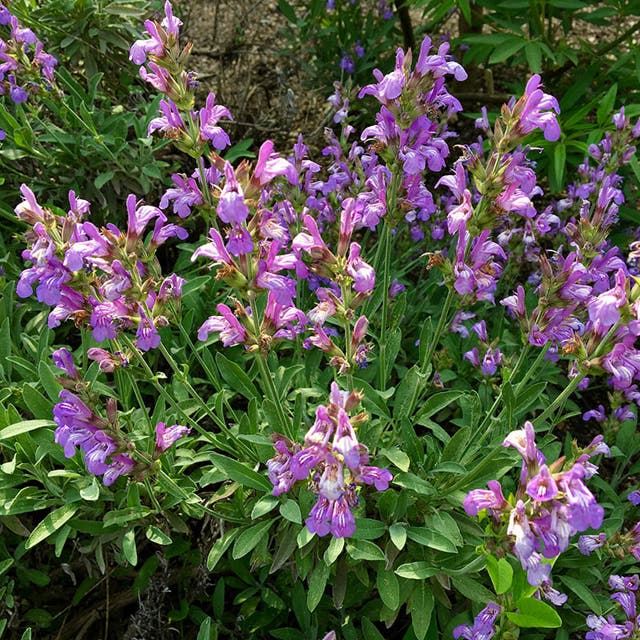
x=342, y=362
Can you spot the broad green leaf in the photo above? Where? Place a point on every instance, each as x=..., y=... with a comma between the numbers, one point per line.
x=534, y=613
x=91, y=492
x=398, y=535
x=398, y=457
x=290, y=510
x=263, y=506
x=368, y=529
x=120, y=516
x=421, y=607
x=333, y=550
x=507, y=49
x=249, y=539
x=240, y=473
x=220, y=546
x=433, y=539
x=501, y=574
x=204, y=631
x=533, y=53
x=364, y=550
x=388, y=588
x=157, y=535
x=317, y=584
x=50, y=524
x=415, y=483
x=24, y=427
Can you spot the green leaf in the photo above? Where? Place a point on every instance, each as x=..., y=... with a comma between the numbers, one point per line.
x=559, y=163
x=501, y=574
x=219, y=547
x=364, y=550
x=437, y=402
x=369, y=630
x=333, y=551
x=24, y=427
x=287, y=11
x=507, y=49
x=606, y=105
x=388, y=588
x=91, y=492
x=584, y=593
x=157, y=535
x=533, y=54
x=368, y=529
x=50, y=524
x=129, y=549
x=290, y=510
x=249, y=539
x=236, y=377
x=120, y=516
x=417, y=570
x=421, y=607
x=240, y=472
x=38, y=405
x=433, y=539
x=317, y=584
x=415, y=483
x=398, y=535
x=204, y=631
x=103, y=178
x=398, y=457
x=535, y=613
x=263, y=506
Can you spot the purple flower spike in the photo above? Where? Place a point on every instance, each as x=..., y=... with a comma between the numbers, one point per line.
x=483, y=625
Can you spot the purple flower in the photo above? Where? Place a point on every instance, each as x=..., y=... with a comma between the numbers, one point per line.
x=166, y=436
x=535, y=110
x=209, y=117
x=63, y=359
x=231, y=331
x=634, y=498
x=147, y=336
x=483, y=625
x=588, y=544
x=542, y=487
x=479, y=499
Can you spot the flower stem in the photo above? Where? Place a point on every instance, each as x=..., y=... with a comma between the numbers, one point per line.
x=386, y=276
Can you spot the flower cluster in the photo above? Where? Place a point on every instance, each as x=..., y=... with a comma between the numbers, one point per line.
x=332, y=461
x=494, y=194
x=551, y=504
x=492, y=356
x=107, y=450
x=104, y=278
x=25, y=67
x=483, y=625
x=625, y=593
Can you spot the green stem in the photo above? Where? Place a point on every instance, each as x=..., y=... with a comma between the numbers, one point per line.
x=272, y=394
x=386, y=277
x=268, y=385
x=443, y=322
x=560, y=400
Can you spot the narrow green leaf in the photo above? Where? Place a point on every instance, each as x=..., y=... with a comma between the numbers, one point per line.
x=421, y=607
x=50, y=524
x=606, y=105
x=129, y=549
x=263, y=506
x=388, y=588
x=317, y=584
x=24, y=427
x=507, y=50
x=433, y=539
x=369, y=630
x=333, y=551
x=220, y=546
x=241, y=473
x=249, y=539
x=437, y=402
x=236, y=377
x=584, y=593
x=157, y=535
x=417, y=570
